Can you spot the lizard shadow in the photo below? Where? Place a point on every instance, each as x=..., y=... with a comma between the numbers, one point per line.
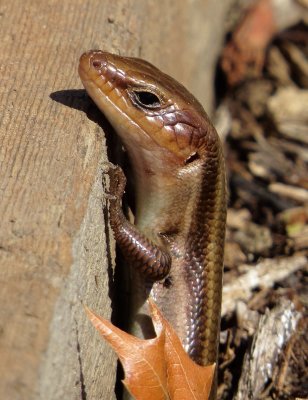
x=79, y=100
x=118, y=292
x=118, y=288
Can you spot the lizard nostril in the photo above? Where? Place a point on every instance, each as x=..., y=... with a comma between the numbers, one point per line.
x=96, y=64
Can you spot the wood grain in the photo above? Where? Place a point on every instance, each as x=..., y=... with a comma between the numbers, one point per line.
x=54, y=252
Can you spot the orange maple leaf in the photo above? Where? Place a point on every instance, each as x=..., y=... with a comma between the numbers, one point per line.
x=159, y=368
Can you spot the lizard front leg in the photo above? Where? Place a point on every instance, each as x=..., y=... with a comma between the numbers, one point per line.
x=149, y=259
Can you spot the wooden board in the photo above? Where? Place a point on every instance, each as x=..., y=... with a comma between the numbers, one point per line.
x=55, y=253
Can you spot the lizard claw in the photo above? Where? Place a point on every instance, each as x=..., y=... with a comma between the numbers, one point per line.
x=117, y=182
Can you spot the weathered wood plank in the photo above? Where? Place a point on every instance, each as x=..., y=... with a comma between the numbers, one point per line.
x=53, y=250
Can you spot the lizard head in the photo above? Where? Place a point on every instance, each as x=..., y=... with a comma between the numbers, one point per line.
x=155, y=116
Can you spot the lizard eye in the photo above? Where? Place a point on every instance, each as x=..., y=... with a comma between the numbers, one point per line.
x=145, y=99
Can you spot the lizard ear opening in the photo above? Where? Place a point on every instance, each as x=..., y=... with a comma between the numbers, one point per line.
x=193, y=157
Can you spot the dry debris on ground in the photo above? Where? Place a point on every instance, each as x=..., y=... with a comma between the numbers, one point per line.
x=265, y=122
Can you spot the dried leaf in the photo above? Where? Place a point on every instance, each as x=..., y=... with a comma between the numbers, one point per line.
x=186, y=379
x=142, y=360
x=156, y=368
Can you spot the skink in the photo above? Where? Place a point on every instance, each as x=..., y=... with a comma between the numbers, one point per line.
x=176, y=244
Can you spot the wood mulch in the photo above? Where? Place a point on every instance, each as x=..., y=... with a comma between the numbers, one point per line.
x=263, y=344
